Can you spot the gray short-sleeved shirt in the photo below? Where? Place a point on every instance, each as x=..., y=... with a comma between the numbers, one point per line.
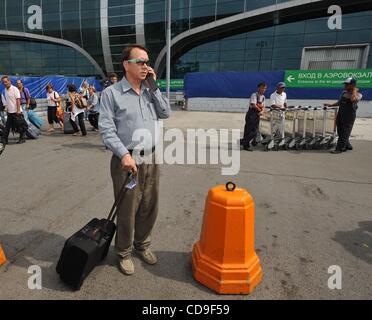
x=256, y=97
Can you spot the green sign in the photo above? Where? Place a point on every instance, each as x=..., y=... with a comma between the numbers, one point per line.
x=174, y=84
x=327, y=78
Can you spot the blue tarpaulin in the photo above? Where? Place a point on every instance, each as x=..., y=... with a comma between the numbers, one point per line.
x=229, y=84
x=322, y=94
x=37, y=85
x=243, y=84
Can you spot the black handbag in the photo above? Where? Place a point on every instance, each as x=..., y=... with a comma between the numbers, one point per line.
x=20, y=123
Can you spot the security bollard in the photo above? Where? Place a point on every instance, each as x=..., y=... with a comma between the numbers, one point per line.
x=2, y=256
x=224, y=259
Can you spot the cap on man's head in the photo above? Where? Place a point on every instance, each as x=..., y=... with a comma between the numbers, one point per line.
x=280, y=85
x=350, y=81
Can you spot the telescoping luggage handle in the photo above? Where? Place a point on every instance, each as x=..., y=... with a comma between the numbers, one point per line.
x=126, y=185
x=113, y=211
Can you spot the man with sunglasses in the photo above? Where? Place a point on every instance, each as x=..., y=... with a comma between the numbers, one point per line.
x=128, y=107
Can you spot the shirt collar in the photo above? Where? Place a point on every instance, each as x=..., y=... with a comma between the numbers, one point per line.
x=126, y=86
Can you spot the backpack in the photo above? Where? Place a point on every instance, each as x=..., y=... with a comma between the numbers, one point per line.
x=33, y=103
x=78, y=102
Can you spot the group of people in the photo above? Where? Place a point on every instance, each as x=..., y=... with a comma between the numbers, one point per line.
x=347, y=103
x=81, y=105
x=14, y=100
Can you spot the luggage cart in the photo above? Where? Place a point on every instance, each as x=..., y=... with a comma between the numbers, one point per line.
x=277, y=134
x=328, y=141
x=295, y=136
x=302, y=142
x=308, y=138
x=282, y=145
x=265, y=139
x=315, y=140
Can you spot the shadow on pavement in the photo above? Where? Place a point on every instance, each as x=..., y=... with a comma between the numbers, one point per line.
x=175, y=266
x=358, y=242
x=36, y=247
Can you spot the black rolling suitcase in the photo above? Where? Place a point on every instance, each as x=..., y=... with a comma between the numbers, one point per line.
x=87, y=248
x=67, y=124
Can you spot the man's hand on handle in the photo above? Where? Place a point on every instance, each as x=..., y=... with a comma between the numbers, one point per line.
x=128, y=164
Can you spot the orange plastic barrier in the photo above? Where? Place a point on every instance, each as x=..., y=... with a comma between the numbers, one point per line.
x=224, y=259
x=2, y=256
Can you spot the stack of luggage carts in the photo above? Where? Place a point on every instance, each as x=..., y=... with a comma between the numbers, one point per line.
x=312, y=128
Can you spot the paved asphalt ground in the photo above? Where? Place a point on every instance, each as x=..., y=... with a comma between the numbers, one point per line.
x=313, y=210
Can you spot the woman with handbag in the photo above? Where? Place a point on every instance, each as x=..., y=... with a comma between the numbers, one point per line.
x=54, y=101
x=77, y=110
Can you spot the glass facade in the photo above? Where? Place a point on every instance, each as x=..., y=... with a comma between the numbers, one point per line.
x=18, y=57
x=76, y=21
x=121, y=28
x=86, y=37
x=275, y=48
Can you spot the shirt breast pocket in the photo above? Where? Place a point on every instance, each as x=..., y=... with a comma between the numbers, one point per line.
x=121, y=109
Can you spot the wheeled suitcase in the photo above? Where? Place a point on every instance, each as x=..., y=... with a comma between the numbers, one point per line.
x=34, y=119
x=32, y=132
x=2, y=146
x=67, y=124
x=84, y=250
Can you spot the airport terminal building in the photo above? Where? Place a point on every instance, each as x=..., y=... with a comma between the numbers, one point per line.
x=86, y=37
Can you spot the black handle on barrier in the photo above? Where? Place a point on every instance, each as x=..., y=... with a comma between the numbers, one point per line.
x=230, y=186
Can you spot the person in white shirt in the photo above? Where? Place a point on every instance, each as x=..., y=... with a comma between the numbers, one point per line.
x=93, y=108
x=84, y=95
x=278, y=99
x=76, y=108
x=53, y=101
x=11, y=99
